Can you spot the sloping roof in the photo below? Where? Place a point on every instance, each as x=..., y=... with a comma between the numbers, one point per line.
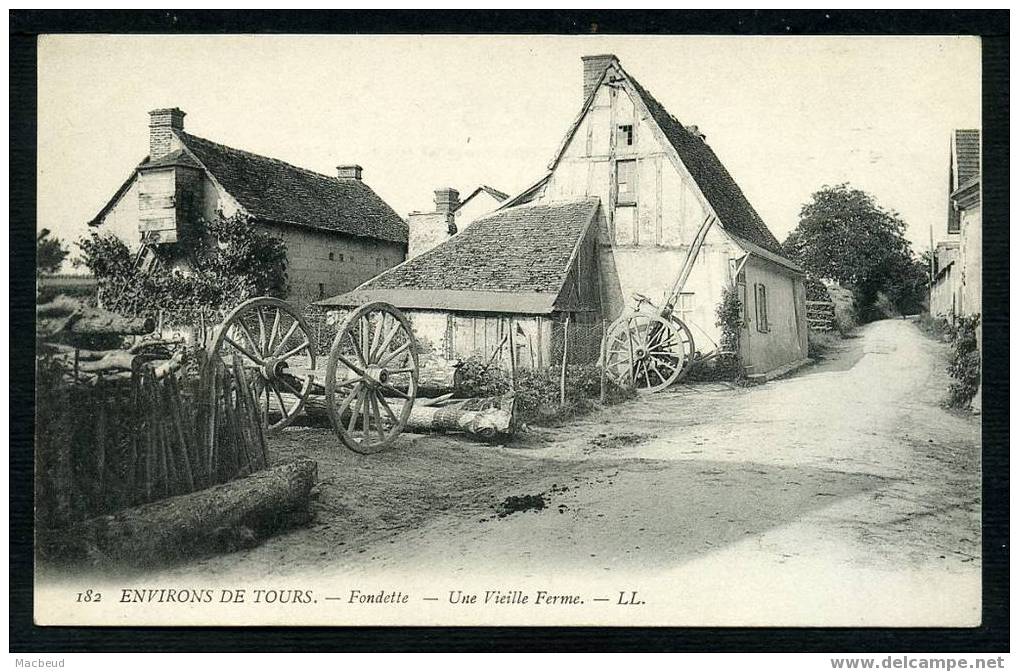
x=967, y=155
x=523, y=254
x=276, y=191
x=736, y=215
x=734, y=211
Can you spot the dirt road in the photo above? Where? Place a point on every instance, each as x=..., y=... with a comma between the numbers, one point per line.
x=842, y=495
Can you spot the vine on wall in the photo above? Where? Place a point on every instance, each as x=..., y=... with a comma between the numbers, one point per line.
x=216, y=265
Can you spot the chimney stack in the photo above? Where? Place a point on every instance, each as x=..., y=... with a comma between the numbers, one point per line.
x=446, y=200
x=162, y=124
x=594, y=66
x=349, y=172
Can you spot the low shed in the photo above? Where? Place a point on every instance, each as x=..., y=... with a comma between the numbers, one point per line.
x=510, y=282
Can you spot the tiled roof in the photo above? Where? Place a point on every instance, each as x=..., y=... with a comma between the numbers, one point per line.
x=276, y=191
x=967, y=155
x=734, y=211
x=525, y=250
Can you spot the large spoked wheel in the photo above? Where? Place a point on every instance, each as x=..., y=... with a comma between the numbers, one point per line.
x=273, y=341
x=372, y=378
x=648, y=352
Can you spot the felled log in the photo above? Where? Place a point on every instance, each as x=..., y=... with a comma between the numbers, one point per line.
x=224, y=517
x=487, y=419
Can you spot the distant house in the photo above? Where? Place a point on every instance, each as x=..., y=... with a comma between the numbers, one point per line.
x=956, y=287
x=626, y=192
x=451, y=215
x=338, y=231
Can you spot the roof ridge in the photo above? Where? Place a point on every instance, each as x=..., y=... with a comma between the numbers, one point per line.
x=263, y=157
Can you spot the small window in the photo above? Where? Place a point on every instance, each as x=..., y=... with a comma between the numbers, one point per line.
x=378, y=263
x=624, y=135
x=331, y=256
x=341, y=256
x=761, y=293
x=626, y=182
x=321, y=291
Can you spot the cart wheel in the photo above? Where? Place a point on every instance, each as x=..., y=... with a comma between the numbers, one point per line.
x=647, y=351
x=372, y=377
x=273, y=340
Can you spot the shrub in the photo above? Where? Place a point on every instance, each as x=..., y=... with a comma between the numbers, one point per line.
x=819, y=343
x=965, y=364
x=537, y=393
x=476, y=378
x=216, y=265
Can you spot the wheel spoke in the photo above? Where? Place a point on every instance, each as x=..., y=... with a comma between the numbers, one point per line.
x=244, y=351
x=377, y=338
x=388, y=339
x=283, y=342
x=279, y=397
x=357, y=349
x=395, y=372
x=293, y=351
x=389, y=411
x=251, y=339
x=398, y=393
x=366, y=424
x=274, y=331
x=349, y=398
x=261, y=331
x=378, y=416
x=400, y=350
x=350, y=365
x=357, y=411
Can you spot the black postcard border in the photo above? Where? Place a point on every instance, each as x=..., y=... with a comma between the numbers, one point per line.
x=991, y=636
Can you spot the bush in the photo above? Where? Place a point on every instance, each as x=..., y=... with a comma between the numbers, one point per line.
x=475, y=378
x=216, y=265
x=965, y=365
x=537, y=393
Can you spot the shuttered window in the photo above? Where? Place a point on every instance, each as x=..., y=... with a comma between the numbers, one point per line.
x=761, y=294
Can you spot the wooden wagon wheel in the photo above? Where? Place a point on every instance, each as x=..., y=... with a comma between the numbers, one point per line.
x=372, y=377
x=647, y=351
x=272, y=338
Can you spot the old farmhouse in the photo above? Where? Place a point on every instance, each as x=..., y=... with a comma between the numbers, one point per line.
x=338, y=231
x=617, y=212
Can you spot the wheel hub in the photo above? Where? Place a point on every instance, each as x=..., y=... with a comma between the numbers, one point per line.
x=376, y=375
x=273, y=368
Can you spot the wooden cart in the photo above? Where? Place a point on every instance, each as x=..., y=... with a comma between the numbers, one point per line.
x=370, y=380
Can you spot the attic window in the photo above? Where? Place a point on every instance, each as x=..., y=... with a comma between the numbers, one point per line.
x=624, y=135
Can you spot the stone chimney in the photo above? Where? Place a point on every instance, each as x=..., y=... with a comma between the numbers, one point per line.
x=349, y=172
x=162, y=124
x=594, y=66
x=428, y=229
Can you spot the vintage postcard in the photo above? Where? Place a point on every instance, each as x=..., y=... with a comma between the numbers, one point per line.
x=508, y=330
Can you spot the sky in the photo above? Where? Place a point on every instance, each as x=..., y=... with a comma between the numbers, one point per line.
x=786, y=115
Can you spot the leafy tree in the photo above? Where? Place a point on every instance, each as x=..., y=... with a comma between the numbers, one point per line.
x=844, y=235
x=49, y=253
x=217, y=264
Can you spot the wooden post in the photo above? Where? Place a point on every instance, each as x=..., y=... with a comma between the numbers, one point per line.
x=562, y=371
x=513, y=356
x=601, y=360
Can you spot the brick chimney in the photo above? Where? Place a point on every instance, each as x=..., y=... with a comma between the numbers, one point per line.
x=447, y=200
x=594, y=66
x=162, y=124
x=349, y=172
